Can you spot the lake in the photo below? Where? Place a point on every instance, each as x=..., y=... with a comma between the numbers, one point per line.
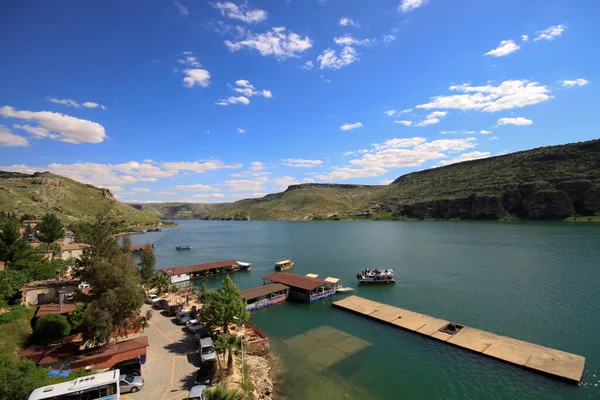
x=537, y=282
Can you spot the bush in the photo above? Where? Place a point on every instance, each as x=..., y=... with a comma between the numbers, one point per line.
x=10, y=284
x=49, y=328
x=16, y=313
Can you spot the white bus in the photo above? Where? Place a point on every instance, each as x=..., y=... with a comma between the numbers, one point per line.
x=103, y=386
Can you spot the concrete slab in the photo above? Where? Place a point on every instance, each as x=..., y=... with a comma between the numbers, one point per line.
x=543, y=359
x=327, y=356
x=351, y=345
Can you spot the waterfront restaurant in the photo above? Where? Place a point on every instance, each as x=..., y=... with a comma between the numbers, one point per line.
x=303, y=288
x=183, y=274
x=264, y=296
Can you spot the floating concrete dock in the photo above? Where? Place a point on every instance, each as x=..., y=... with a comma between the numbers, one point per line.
x=528, y=355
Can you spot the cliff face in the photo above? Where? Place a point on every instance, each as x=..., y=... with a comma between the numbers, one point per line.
x=178, y=210
x=545, y=183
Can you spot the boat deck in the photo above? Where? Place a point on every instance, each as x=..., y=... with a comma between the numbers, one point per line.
x=528, y=355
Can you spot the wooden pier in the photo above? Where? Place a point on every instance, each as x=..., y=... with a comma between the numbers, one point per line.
x=528, y=355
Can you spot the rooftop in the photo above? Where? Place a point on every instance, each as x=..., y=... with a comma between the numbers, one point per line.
x=50, y=283
x=199, y=267
x=255, y=292
x=53, y=308
x=295, y=280
x=74, y=246
x=79, y=383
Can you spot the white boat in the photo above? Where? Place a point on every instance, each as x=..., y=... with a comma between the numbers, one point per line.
x=344, y=290
x=376, y=276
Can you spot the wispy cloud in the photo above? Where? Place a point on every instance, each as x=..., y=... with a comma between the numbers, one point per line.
x=550, y=33
x=349, y=126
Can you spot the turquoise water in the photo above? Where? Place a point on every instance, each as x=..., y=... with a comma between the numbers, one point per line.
x=533, y=281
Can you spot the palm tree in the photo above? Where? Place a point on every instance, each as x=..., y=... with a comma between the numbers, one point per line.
x=160, y=282
x=228, y=344
x=222, y=393
x=173, y=289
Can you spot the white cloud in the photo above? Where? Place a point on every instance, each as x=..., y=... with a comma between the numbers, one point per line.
x=391, y=113
x=140, y=190
x=576, y=82
x=433, y=118
x=244, y=87
x=241, y=13
x=242, y=185
x=354, y=152
x=196, y=77
x=9, y=139
x=75, y=104
x=165, y=192
x=475, y=155
x=240, y=130
x=58, y=126
x=484, y=132
x=386, y=182
x=198, y=187
x=494, y=138
x=388, y=38
x=349, y=40
x=507, y=95
x=172, y=168
x=330, y=59
x=403, y=122
x=345, y=21
x=301, y=163
x=505, y=48
x=308, y=65
x=283, y=182
x=182, y=9
x=524, y=38
x=233, y=100
x=276, y=43
x=519, y=121
x=397, y=153
x=550, y=33
x=207, y=196
x=409, y=5
x=348, y=126
x=188, y=58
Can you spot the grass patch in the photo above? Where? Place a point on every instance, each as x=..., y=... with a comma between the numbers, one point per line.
x=15, y=329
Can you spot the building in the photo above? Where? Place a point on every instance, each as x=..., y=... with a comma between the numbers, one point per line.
x=54, y=308
x=48, y=291
x=303, y=288
x=70, y=355
x=72, y=250
x=183, y=274
x=264, y=296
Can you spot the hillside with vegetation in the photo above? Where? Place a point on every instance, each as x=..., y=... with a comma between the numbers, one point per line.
x=554, y=182
x=178, y=210
x=71, y=201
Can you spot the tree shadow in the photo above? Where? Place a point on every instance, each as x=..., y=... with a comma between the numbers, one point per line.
x=187, y=381
x=186, y=345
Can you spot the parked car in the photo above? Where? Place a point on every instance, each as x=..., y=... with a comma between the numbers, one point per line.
x=206, y=372
x=152, y=298
x=160, y=304
x=130, y=383
x=183, y=317
x=207, y=350
x=196, y=393
x=171, y=310
x=129, y=367
x=196, y=326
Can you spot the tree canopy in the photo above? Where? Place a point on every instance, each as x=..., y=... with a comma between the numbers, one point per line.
x=148, y=260
x=160, y=282
x=50, y=229
x=222, y=307
x=50, y=328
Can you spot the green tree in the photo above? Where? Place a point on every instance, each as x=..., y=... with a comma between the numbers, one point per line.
x=77, y=316
x=10, y=284
x=126, y=245
x=160, y=282
x=228, y=344
x=148, y=260
x=50, y=328
x=173, y=290
x=117, y=295
x=223, y=307
x=13, y=247
x=221, y=392
x=50, y=229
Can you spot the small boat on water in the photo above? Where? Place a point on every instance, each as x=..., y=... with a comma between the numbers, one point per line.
x=183, y=247
x=344, y=290
x=376, y=276
x=283, y=264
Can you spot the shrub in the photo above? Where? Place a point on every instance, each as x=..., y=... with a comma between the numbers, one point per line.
x=49, y=328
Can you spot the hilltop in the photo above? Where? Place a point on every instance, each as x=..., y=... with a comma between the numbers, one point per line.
x=71, y=201
x=178, y=210
x=553, y=182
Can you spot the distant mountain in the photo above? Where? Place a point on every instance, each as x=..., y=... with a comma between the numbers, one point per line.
x=545, y=183
x=178, y=210
x=71, y=201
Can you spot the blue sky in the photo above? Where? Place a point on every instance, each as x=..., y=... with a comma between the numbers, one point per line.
x=218, y=101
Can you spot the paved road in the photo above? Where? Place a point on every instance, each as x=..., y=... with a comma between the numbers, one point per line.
x=171, y=362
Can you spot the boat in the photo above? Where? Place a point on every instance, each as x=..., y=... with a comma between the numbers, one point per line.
x=376, y=276
x=183, y=247
x=344, y=290
x=283, y=264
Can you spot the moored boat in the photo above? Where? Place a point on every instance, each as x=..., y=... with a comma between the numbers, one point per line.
x=183, y=247
x=344, y=290
x=376, y=276
x=283, y=264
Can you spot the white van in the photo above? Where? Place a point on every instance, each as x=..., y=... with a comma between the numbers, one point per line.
x=206, y=350
x=197, y=393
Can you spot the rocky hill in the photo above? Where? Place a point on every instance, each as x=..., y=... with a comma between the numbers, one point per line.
x=71, y=201
x=178, y=210
x=553, y=182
